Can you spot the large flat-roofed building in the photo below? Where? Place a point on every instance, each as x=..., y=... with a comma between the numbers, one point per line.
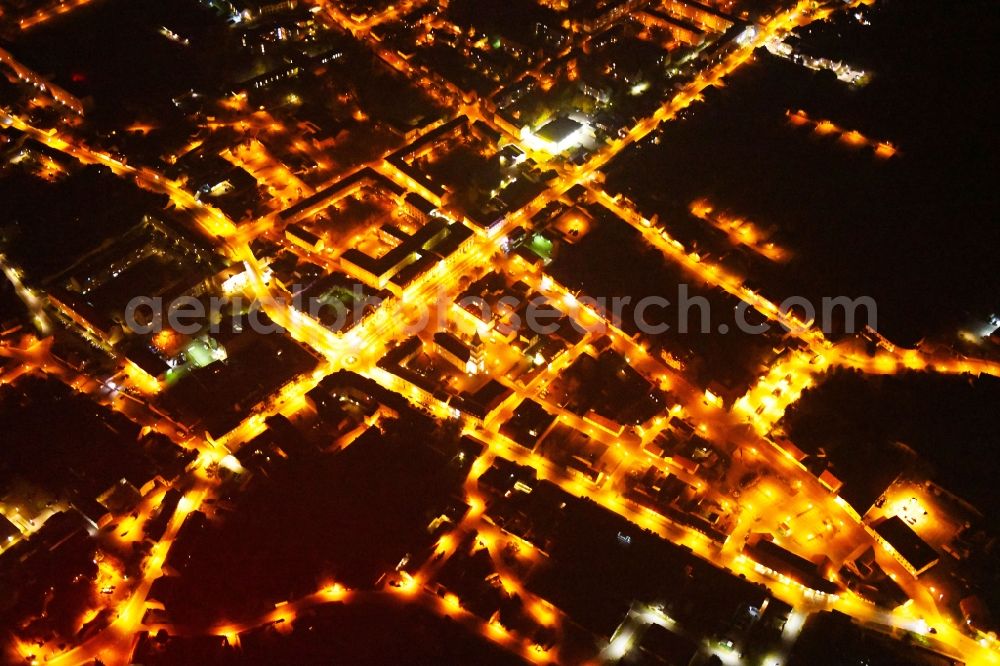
x=555, y=136
x=906, y=547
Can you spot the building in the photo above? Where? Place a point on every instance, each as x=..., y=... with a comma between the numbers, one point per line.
x=778, y=562
x=453, y=350
x=249, y=10
x=487, y=401
x=365, y=178
x=680, y=29
x=905, y=546
x=556, y=136
x=468, y=357
x=267, y=79
x=303, y=238
x=668, y=647
x=413, y=256
x=529, y=424
x=699, y=14
x=476, y=364
x=592, y=17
